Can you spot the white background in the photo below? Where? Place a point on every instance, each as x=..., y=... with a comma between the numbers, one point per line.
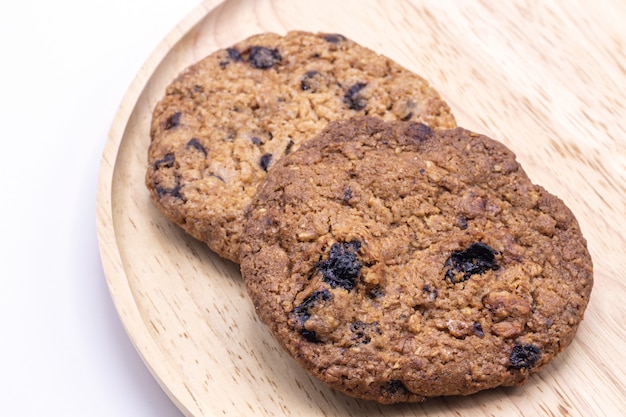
x=65, y=65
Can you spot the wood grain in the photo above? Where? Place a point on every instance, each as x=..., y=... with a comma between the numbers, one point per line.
x=546, y=78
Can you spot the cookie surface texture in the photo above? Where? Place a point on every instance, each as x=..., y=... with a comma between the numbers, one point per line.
x=396, y=263
x=226, y=120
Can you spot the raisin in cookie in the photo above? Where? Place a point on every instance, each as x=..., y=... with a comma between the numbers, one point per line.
x=396, y=263
x=227, y=119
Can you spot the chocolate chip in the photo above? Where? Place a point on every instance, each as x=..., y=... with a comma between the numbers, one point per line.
x=394, y=386
x=309, y=335
x=307, y=83
x=353, y=99
x=233, y=54
x=407, y=116
x=478, y=329
x=418, y=131
x=302, y=312
x=334, y=37
x=476, y=259
x=172, y=121
x=347, y=194
x=167, y=161
x=342, y=267
x=265, y=160
x=195, y=144
x=524, y=356
x=173, y=191
x=264, y=58
x=363, y=331
x=256, y=140
x=359, y=337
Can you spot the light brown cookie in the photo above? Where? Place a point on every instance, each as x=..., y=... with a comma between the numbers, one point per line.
x=225, y=121
x=395, y=262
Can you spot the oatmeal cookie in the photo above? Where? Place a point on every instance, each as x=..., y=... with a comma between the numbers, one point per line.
x=396, y=262
x=226, y=120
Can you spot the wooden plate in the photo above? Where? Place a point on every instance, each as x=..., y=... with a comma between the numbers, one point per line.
x=546, y=80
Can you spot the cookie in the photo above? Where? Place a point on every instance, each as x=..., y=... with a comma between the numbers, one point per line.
x=226, y=120
x=396, y=262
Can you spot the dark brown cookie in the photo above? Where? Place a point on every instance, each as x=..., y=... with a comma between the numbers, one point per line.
x=396, y=263
x=226, y=120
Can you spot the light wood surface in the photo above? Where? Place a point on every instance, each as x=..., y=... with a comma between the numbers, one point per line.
x=546, y=78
